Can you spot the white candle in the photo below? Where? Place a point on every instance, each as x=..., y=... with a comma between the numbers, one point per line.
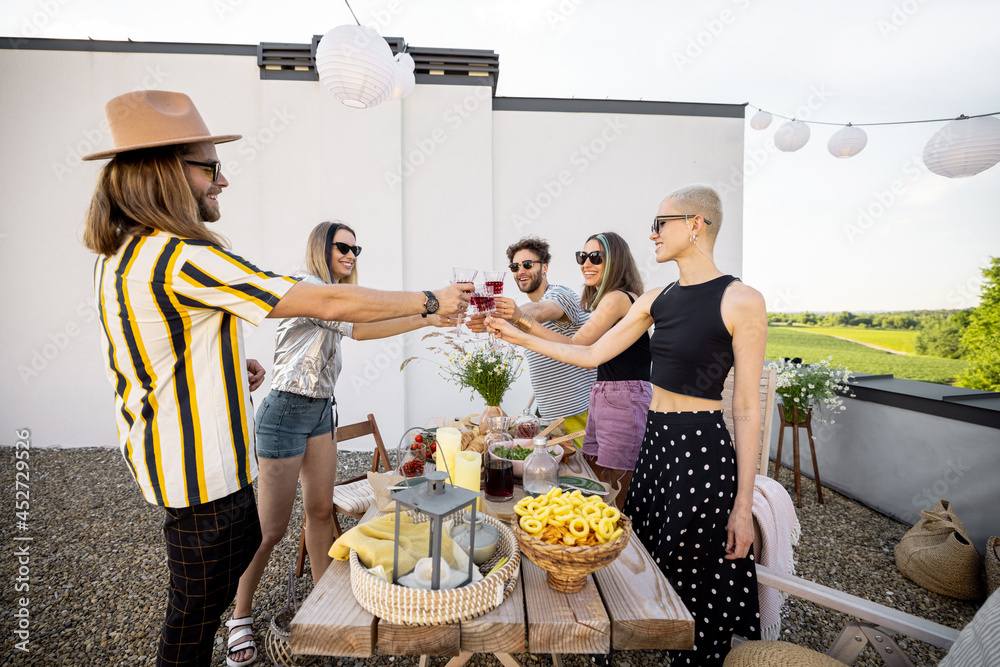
x=467, y=469
x=449, y=443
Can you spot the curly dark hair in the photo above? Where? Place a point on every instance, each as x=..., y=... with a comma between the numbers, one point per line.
x=536, y=245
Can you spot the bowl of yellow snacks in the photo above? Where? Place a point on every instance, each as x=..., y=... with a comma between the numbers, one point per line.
x=569, y=535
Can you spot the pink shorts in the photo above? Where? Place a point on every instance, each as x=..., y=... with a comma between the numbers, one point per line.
x=617, y=422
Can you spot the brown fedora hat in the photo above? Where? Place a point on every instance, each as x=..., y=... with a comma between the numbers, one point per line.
x=150, y=118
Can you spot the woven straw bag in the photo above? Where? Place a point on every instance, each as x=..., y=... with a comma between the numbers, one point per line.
x=277, y=644
x=410, y=606
x=938, y=554
x=992, y=565
x=777, y=654
x=567, y=568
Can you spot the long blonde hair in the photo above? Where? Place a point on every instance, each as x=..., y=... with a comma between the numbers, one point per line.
x=318, y=253
x=139, y=191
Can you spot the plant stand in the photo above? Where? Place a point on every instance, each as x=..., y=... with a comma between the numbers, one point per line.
x=796, y=424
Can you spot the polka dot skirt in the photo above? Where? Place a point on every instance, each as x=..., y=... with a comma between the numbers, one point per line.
x=681, y=495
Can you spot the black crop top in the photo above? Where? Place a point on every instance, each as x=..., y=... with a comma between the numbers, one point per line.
x=691, y=347
x=631, y=364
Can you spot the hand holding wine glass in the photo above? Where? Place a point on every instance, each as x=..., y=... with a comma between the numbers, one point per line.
x=460, y=275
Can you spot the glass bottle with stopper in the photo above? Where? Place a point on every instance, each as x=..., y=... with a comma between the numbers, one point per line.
x=541, y=469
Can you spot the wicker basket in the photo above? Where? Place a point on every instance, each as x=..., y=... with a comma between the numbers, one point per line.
x=567, y=568
x=278, y=644
x=410, y=606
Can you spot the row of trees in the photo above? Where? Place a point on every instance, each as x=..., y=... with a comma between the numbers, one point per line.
x=906, y=319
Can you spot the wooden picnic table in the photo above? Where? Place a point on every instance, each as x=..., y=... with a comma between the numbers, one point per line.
x=629, y=605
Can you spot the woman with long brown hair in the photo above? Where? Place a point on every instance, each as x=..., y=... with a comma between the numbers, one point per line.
x=620, y=397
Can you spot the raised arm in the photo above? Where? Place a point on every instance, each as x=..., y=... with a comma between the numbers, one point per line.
x=393, y=327
x=744, y=312
x=612, y=308
x=607, y=347
x=350, y=303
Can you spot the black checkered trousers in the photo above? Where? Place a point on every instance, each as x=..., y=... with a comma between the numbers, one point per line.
x=208, y=548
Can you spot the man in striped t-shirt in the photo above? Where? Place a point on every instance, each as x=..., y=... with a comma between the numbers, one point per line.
x=172, y=300
x=561, y=390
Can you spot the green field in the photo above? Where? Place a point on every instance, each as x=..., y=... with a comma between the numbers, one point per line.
x=894, y=339
x=783, y=341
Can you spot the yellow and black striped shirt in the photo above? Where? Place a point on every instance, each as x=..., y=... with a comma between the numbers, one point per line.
x=170, y=311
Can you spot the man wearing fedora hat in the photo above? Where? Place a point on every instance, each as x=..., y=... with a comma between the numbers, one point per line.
x=170, y=298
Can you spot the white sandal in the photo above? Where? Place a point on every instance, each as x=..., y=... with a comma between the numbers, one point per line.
x=247, y=624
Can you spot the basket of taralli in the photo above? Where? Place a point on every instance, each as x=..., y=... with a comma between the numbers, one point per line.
x=569, y=544
x=411, y=606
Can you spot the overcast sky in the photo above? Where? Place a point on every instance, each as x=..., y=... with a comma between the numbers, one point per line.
x=873, y=232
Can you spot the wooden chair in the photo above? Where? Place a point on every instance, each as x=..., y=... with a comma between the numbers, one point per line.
x=354, y=496
x=856, y=636
x=768, y=382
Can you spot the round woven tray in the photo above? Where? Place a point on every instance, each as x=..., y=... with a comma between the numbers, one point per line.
x=411, y=606
x=567, y=568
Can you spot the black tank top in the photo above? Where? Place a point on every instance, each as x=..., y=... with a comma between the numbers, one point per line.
x=692, y=349
x=631, y=364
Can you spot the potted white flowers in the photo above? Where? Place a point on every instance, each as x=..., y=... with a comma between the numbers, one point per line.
x=803, y=387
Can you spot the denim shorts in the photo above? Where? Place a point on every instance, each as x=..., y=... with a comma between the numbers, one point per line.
x=286, y=420
x=617, y=422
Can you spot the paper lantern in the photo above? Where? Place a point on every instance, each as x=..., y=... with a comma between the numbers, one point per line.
x=355, y=64
x=847, y=142
x=404, y=81
x=791, y=136
x=964, y=147
x=761, y=120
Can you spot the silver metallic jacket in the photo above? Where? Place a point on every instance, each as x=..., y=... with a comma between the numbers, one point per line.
x=307, y=357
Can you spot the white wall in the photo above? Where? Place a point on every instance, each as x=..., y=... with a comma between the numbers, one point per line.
x=430, y=182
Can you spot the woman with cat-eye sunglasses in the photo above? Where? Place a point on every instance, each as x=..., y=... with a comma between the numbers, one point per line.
x=296, y=420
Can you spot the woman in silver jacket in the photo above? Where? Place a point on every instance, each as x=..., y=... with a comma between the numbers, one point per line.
x=295, y=430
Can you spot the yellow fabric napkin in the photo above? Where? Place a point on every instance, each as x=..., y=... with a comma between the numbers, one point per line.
x=374, y=543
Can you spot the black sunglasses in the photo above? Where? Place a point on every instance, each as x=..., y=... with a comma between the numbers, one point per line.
x=660, y=219
x=596, y=257
x=345, y=248
x=216, y=167
x=527, y=264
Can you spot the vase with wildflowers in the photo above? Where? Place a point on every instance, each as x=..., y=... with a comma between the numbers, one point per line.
x=488, y=368
x=806, y=386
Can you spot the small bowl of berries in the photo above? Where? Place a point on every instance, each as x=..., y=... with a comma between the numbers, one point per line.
x=419, y=454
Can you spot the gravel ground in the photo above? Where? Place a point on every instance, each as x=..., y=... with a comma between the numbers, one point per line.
x=98, y=571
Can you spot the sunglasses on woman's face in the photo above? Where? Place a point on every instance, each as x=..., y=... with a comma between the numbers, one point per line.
x=345, y=248
x=596, y=257
x=527, y=264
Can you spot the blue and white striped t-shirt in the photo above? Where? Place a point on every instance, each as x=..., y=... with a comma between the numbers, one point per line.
x=561, y=390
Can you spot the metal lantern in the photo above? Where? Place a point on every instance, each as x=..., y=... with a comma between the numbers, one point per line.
x=761, y=120
x=355, y=64
x=791, y=136
x=404, y=81
x=432, y=502
x=964, y=147
x=847, y=142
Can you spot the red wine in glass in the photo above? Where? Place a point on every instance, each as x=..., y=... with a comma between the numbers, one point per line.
x=480, y=302
x=499, y=479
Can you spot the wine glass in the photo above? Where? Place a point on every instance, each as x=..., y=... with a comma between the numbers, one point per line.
x=460, y=275
x=494, y=288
